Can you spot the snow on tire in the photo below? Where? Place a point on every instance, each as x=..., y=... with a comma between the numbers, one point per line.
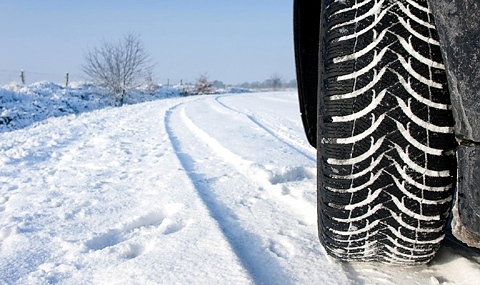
x=384, y=132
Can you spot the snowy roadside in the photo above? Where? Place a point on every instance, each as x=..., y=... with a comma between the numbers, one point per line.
x=22, y=106
x=187, y=190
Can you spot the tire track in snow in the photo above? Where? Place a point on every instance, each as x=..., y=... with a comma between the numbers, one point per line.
x=283, y=138
x=251, y=170
x=275, y=176
x=283, y=238
x=242, y=241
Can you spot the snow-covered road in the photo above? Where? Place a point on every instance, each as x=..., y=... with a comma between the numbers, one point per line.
x=213, y=189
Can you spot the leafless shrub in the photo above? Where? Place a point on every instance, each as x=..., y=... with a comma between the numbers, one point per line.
x=203, y=86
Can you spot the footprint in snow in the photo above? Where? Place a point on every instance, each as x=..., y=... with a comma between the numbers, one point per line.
x=3, y=202
x=124, y=236
x=291, y=174
x=282, y=247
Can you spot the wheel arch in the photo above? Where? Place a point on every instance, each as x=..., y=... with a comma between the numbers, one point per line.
x=306, y=28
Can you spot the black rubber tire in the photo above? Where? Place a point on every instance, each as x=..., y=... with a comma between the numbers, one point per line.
x=385, y=141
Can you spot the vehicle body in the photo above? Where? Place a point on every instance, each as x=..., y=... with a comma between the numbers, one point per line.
x=389, y=93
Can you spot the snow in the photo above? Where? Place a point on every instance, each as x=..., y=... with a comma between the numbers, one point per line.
x=177, y=190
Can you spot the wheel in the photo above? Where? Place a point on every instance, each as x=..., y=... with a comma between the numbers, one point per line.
x=385, y=141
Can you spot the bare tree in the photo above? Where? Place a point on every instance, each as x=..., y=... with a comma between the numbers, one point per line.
x=275, y=81
x=118, y=66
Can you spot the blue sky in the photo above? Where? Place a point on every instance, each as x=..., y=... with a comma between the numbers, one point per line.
x=231, y=40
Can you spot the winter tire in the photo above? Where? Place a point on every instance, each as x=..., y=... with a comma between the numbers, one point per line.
x=385, y=141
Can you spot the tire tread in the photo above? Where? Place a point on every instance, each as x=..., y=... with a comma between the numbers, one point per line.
x=391, y=205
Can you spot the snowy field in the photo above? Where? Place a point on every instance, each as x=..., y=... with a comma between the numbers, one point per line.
x=216, y=189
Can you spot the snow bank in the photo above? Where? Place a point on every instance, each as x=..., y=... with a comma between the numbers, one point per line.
x=21, y=106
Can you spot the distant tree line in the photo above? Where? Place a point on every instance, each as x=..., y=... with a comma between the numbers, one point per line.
x=203, y=85
x=275, y=82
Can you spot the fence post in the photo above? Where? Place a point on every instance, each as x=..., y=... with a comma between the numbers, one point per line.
x=66, y=80
x=22, y=76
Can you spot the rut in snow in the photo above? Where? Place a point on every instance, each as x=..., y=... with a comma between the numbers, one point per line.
x=244, y=243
